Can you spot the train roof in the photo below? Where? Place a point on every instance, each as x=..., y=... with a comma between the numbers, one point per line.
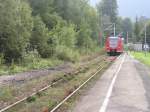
x=114, y=37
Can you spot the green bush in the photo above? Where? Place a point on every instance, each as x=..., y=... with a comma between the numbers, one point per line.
x=44, y=63
x=30, y=57
x=15, y=28
x=2, y=59
x=67, y=54
x=40, y=38
x=31, y=99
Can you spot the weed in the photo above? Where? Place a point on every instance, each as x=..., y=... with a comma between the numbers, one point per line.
x=31, y=99
x=5, y=93
x=39, y=94
x=51, y=104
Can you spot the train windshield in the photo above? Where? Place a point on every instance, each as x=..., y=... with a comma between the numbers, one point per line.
x=113, y=42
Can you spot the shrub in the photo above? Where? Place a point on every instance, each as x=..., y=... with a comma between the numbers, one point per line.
x=30, y=57
x=15, y=28
x=1, y=59
x=67, y=54
x=31, y=99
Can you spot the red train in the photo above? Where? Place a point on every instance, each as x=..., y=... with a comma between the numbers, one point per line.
x=114, y=45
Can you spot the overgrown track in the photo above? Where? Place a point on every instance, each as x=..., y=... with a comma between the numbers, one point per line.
x=25, y=77
x=56, y=81
x=75, y=91
x=99, y=69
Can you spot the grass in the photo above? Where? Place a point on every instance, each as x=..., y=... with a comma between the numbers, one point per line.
x=33, y=65
x=141, y=57
x=48, y=99
x=5, y=94
x=23, y=88
x=69, y=105
x=51, y=97
x=15, y=92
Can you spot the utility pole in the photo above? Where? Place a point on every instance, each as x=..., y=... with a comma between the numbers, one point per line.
x=127, y=42
x=145, y=34
x=114, y=29
x=127, y=38
x=145, y=46
x=101, y=24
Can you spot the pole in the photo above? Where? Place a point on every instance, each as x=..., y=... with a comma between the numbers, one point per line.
x=127, y=42
x=101, y=39
x=145, y=34
x=127, y=38
x=145, y=46
x=114, y=29
x=101, y=24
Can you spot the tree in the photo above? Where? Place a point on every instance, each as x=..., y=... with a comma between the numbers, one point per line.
x=127, y=27
x=40, y=38
x=80, y=13
x=108, y=14
x=137, y=31
x=142, y=21
x=15, y=28
x=41, y=7
x=44, y=25
x=83, y=39
x=147, y=33
x=62, y=7
x=64, y=34
x=108, y=8
x=46, y=10
x=92, y=18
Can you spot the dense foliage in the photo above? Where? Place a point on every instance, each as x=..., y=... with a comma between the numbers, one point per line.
x=53, y=28
x=16, y=24
x=109, y=8
x=63, y=29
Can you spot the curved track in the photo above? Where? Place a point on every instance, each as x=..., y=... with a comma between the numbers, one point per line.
x=100, y=68
x=102, y=59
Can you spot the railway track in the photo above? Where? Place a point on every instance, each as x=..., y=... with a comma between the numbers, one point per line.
x=62, y=102
x=101, y=66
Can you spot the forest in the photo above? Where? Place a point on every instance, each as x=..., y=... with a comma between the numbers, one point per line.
x=41, y=33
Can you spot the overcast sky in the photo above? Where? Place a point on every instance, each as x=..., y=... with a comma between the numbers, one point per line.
x=131, y=8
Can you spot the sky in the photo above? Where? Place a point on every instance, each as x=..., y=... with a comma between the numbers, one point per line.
x=131, y=8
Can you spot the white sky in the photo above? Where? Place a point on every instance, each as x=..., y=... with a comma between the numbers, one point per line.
x=131, y=8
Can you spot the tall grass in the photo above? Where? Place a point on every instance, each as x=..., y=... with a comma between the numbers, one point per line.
x=142, y=57
x=30, y=62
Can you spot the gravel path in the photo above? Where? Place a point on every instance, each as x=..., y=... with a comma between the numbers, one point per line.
x=26, y=76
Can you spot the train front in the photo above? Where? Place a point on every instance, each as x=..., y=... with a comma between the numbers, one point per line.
x=114, y=45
